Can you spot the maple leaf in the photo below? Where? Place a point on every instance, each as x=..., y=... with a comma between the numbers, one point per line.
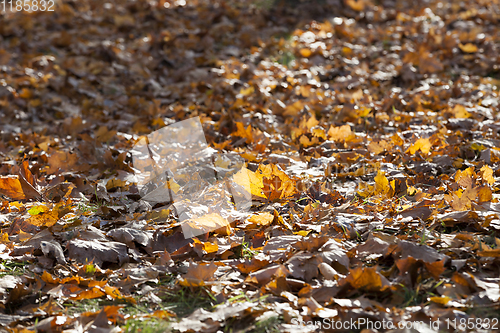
x=276, y=184
x=261, y=219
x=366, y=279
x=487, y=174
x=243, y=133
x=204, y=224
x=422, y=144
x=250, y=182
x=342, y=133
x=198, y=275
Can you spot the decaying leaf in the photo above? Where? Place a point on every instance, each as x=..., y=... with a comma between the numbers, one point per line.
x=97, y=251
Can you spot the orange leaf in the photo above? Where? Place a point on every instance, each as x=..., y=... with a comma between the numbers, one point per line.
x=261, y=219
x=367, y=278
x=342, y=133
x=277, y=184
x=206, y=223
x=250, y=182
x=88, y=294
x=205, y=247
x=468, y=48
x=381, y=183
x=487, y=174
x=243, y=133
x=197, y=275
x=306, y=53
x=11, y=187
x=422, y=144
x=459, y=111
x=356, y=5
x=294, y=109
x=46, y=219
x=484, y=194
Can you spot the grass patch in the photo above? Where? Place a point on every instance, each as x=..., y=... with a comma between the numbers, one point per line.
x=85, y=305
x=185, y=300
x=488, y=311
x=146, y=326
x=13, y=268
x=268, y=325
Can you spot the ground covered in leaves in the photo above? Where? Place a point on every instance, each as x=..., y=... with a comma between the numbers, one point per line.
x=371, y=129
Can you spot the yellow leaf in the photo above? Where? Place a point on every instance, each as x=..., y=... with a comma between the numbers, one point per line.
x=243, y=133
x=205, y=247
x=460, y=112
x=468, y=48
x=304, y=141
x=302, y=233
x=4, y=238
x=25, y=93
x=422, y=144
x=35, y=210
x=250, y=182
x=294, y=109
x=247, y=91
x=115, y=183
x=484, y=194
x=207, y=223
x=364, y=190
x=277, y=184
x=261, y=219
x=477, y=146
x=318, y=132
x=356, y=5
x=46, y=219
x=342, y=133
x=443, y=300
x=306, y=53
x=364, y=112
x=487, y=174
x=465, y=178
x=250, y=156
x=381, y=183
x=311, y=122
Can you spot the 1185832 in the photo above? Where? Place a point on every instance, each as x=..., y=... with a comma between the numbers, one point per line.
x=27, y=6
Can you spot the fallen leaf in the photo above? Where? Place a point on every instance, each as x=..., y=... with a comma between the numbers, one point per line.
x=97, y=251
x=468, y=48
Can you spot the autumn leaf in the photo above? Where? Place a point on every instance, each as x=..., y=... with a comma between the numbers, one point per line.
x=459, y=111
x=276, y=184
x=250, y=182
x=465, y=178
x=342, y=133
x=422, y=144
x=357, y=5
x=11, y=187
x=243, y=132
x=366, y=279
x=262, y=219
x=45, y=219
x=468, y=48
x=487, y=174
x=198, y=274
x=206, y=223
x=381, y=183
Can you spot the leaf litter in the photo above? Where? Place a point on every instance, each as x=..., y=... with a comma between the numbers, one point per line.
x=369, y=132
